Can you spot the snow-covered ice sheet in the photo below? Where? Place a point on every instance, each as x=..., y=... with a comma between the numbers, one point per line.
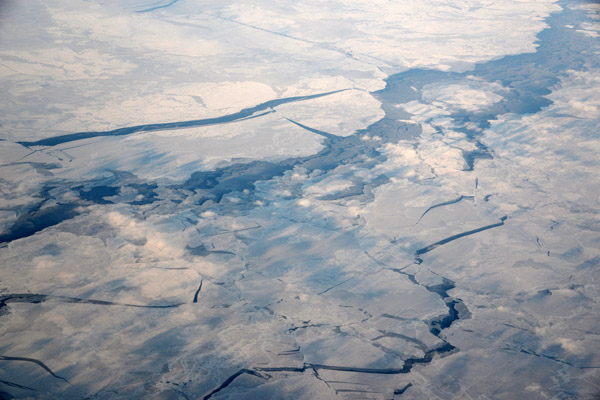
x=365, y=199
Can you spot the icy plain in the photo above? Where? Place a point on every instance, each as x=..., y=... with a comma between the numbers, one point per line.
x=313, y=200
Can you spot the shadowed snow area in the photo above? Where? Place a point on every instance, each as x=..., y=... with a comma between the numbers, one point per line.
x=266, y=200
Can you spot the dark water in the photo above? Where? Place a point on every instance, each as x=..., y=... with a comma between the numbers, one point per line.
x=245, y=113
x=449, y=239
x=37, y=220
x=97, y=193
x=528, y=78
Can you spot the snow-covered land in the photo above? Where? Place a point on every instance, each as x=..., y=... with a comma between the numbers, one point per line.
x=305, y=200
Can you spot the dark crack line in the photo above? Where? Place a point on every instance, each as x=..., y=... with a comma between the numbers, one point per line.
x=406, y=368
x=349, y=383
x=446, y=203
x=230, y=380
x=458, y=236
x=157, y=7
x=36, y=165
x=439, y=323
x=33, y=360
x=386, y=315
x=12, y=384
x=343, y=52
x=198, y=292
x=318, y=132
x=40, y=298
x=295, y=328
x=334, y=286
x=271, y=111
x=422, y=346
x=202, y=251
x=401, y=391
x=354, y=391
x=228, y=232
x=316, y=373
x=289, y=352
x=247, y=112
x=533, y=353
